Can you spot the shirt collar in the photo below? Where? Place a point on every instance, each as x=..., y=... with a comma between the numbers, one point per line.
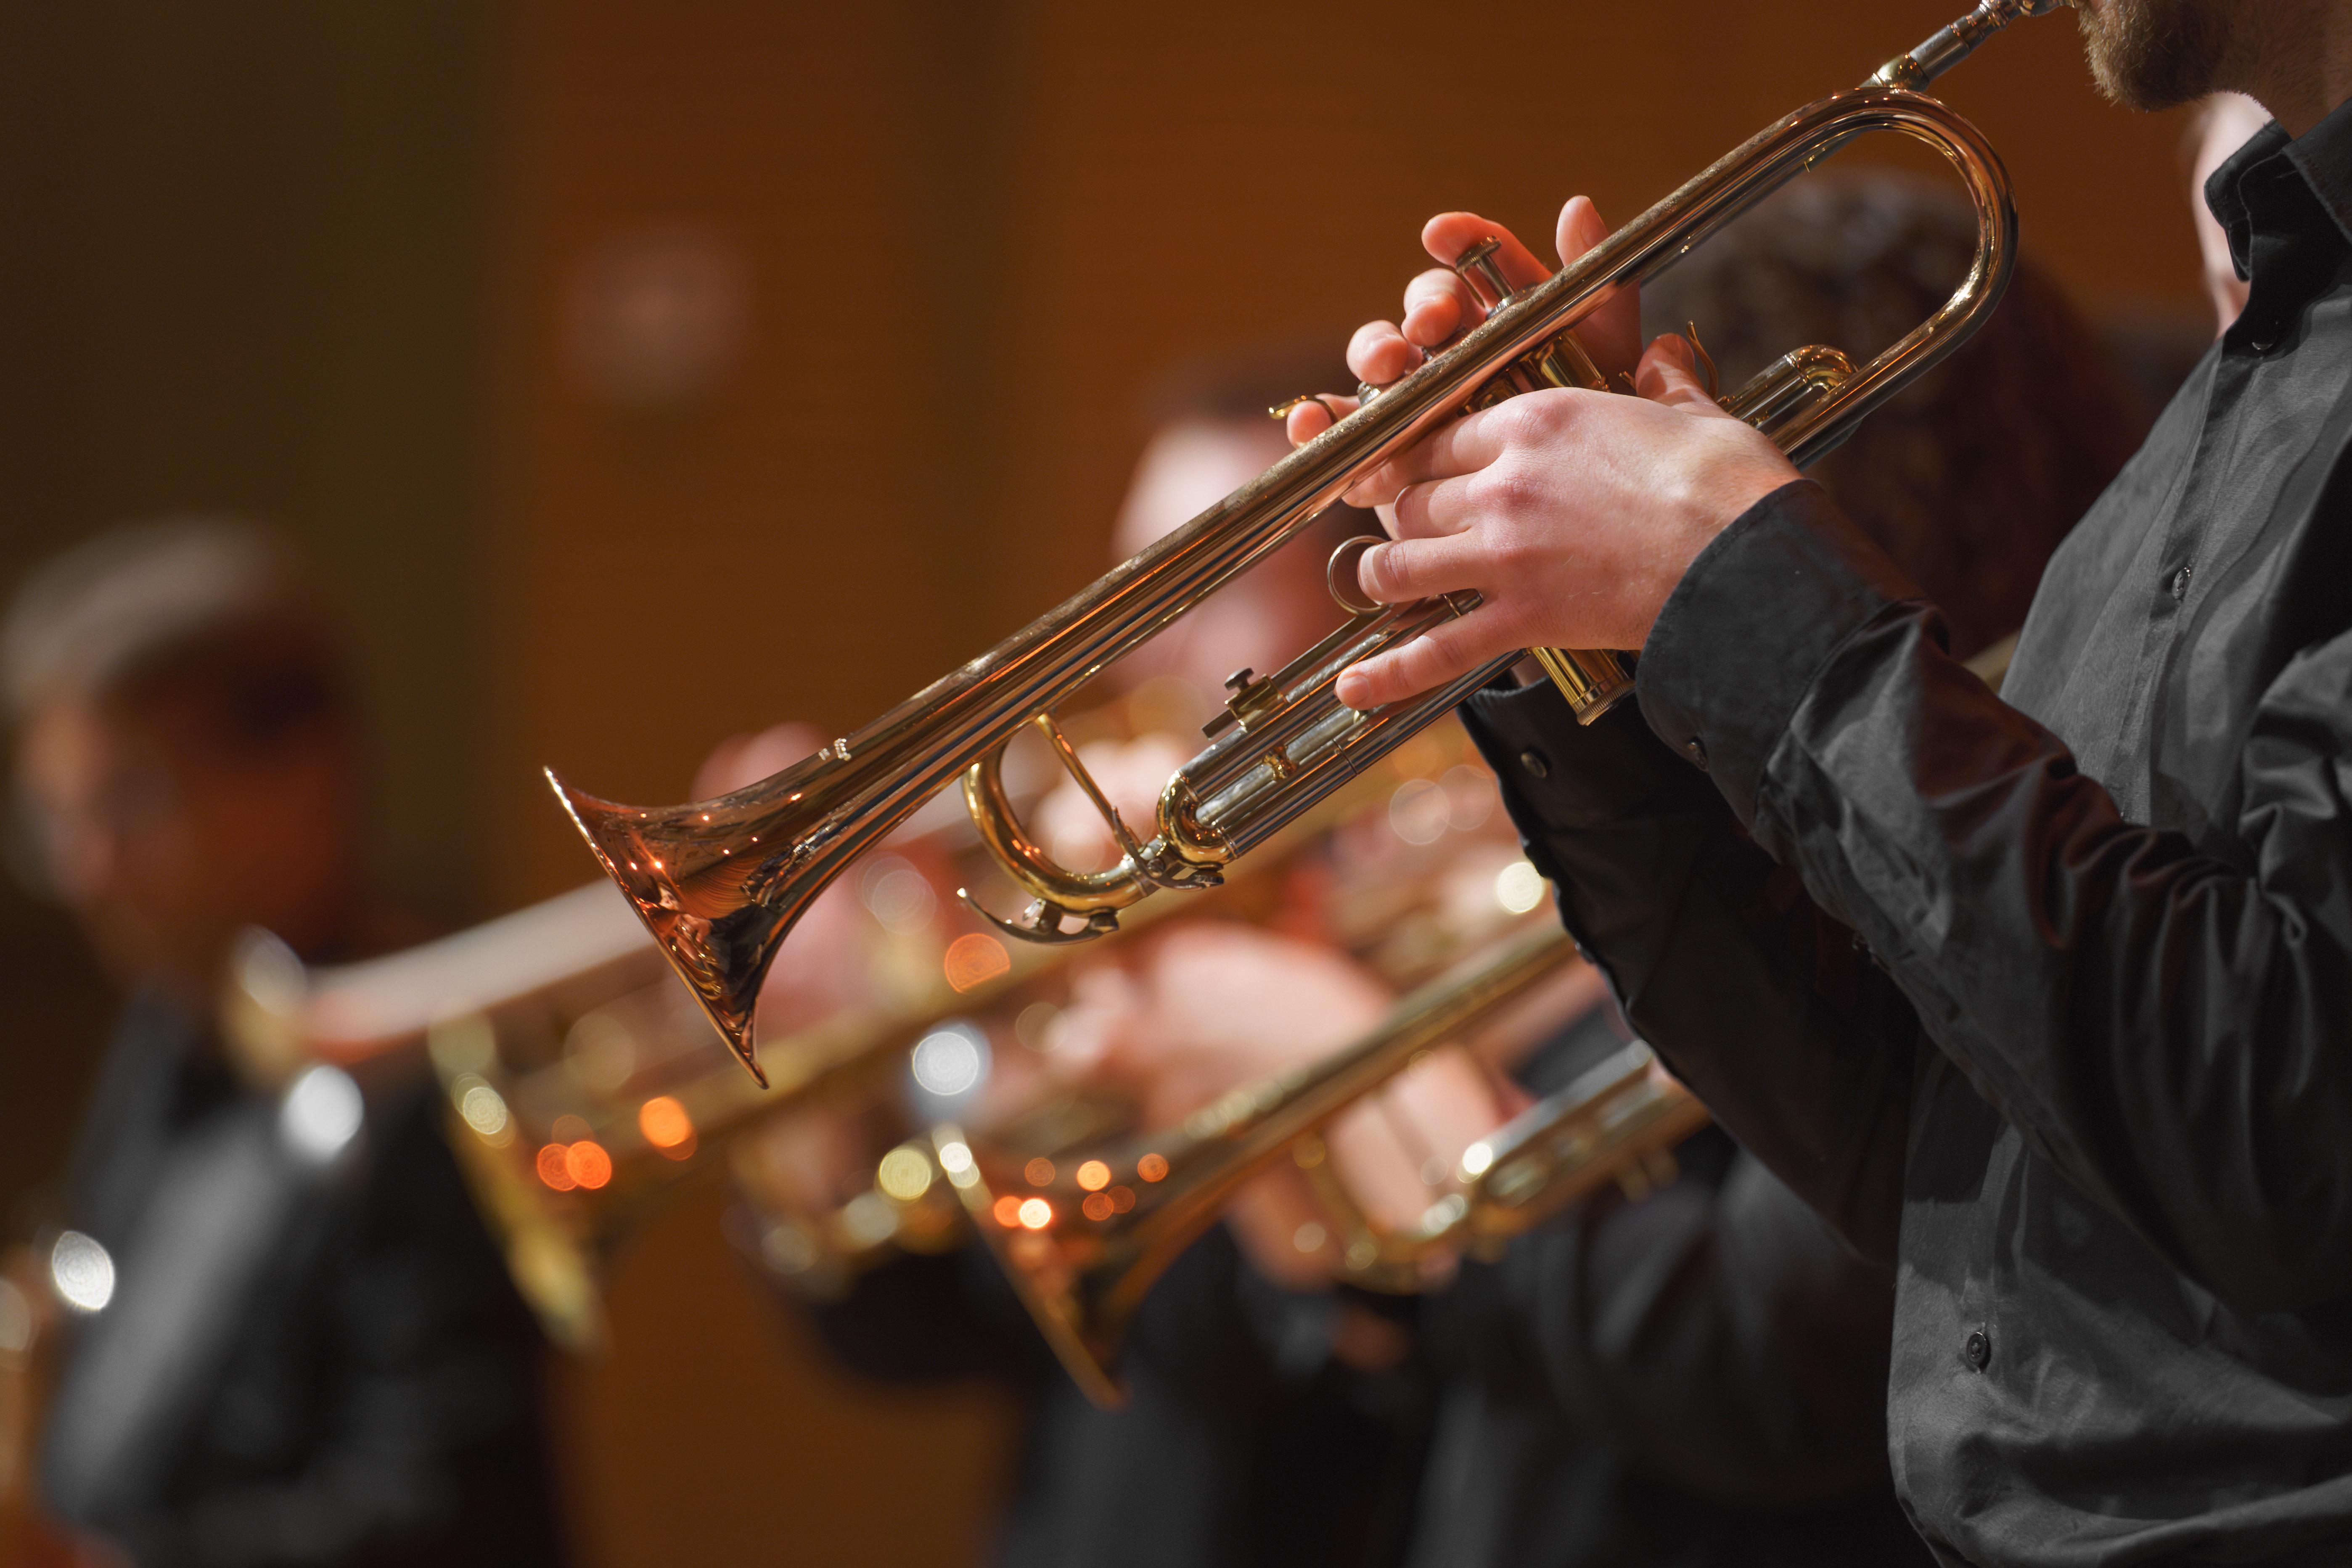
x=2322, y=156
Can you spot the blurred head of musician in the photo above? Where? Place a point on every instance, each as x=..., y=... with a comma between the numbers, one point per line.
x=185, y=757
x=307, y=1350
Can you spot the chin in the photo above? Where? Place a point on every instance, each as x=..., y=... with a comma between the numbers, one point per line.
x=2157, y=54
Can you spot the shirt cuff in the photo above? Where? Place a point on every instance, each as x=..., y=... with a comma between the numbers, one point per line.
x=1558, y=774
x=1751, y=623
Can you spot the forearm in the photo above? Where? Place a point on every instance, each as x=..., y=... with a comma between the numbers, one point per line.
x=1717, y=955
x=2165, y=1026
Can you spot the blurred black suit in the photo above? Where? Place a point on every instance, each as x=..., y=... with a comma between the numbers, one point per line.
x=305, y=1362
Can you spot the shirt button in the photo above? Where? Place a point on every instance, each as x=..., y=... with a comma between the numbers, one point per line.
x=1695, y=749
x=1536, y=763
x=1978, y=1350
x=2180, y=584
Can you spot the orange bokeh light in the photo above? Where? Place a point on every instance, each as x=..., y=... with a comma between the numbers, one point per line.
x=665, y=1122
x=1151, y=1167
x=1006, y=1211
x=1094, y=1176
x=1040, y=1172
x=974, y=959
x=588, y=1164
x=1036, y=1213
x=553, y=1168
x=1098, y=1205
x=1121, y=1198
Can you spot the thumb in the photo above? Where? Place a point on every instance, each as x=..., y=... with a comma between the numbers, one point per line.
x=1669, y=373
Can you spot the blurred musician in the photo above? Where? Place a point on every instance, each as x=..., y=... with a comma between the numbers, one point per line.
x=2090, y=1093
x=1267, y=1425
x=294, y=1344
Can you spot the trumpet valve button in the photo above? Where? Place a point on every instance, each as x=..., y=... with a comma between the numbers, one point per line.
x=1478, y=267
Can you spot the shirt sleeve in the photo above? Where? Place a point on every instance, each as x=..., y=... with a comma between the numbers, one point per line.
x=2165, y=1025
x=1717, y=955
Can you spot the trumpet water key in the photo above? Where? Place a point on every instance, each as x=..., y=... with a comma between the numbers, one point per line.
x=720, y=882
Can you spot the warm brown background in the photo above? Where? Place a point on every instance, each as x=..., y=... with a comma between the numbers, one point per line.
x=350, y=268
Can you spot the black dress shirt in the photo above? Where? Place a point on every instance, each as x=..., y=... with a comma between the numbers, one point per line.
x=2050, y=1000
x=300, y=1366
x=1692, y=1379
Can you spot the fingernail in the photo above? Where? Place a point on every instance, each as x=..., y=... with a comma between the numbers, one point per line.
x=1351, y=689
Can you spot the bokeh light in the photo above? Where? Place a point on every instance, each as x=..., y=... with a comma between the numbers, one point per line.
x=1518, y=887
x=975, y=958
x=904, y=1175
x=587, y=1164
x=82, y=1271
x=665, y=1122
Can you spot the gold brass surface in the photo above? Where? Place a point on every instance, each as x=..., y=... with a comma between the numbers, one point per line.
x=1084, y=1266
x=720, y=882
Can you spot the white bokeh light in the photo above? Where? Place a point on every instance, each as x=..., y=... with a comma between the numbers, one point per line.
x=1518, y=887
x=320, y=1113
x=82, y=1272
x=948, y=1062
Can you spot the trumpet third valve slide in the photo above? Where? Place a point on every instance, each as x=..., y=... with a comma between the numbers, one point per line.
x=720, y=882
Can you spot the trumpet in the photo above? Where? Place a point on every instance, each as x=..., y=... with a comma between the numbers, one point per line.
x=1084, y=1236
x=1618, y=1123
x=720, y=882
x=583, y=1089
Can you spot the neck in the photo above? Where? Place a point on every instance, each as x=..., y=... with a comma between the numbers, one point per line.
x=2294, y=58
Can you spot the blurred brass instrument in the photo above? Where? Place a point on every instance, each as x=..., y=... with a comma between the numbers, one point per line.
x=720, y=882
x=584, y=1089
x=1085, y=1236
x=1618, y=1123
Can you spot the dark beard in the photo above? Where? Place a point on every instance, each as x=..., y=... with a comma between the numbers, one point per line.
x=2158, y=53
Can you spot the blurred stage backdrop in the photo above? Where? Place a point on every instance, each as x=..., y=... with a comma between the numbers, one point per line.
x=647, y=371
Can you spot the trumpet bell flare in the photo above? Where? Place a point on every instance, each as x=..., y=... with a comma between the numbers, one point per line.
x=1044, y=1255
x=680, y=888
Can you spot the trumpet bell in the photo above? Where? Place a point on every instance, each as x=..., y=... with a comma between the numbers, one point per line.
x=720, y=882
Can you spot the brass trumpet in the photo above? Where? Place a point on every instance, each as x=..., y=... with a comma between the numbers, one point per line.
x=1085, y=1236
x=583, y=1088
x=720, y=882
x=1618, y=1123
